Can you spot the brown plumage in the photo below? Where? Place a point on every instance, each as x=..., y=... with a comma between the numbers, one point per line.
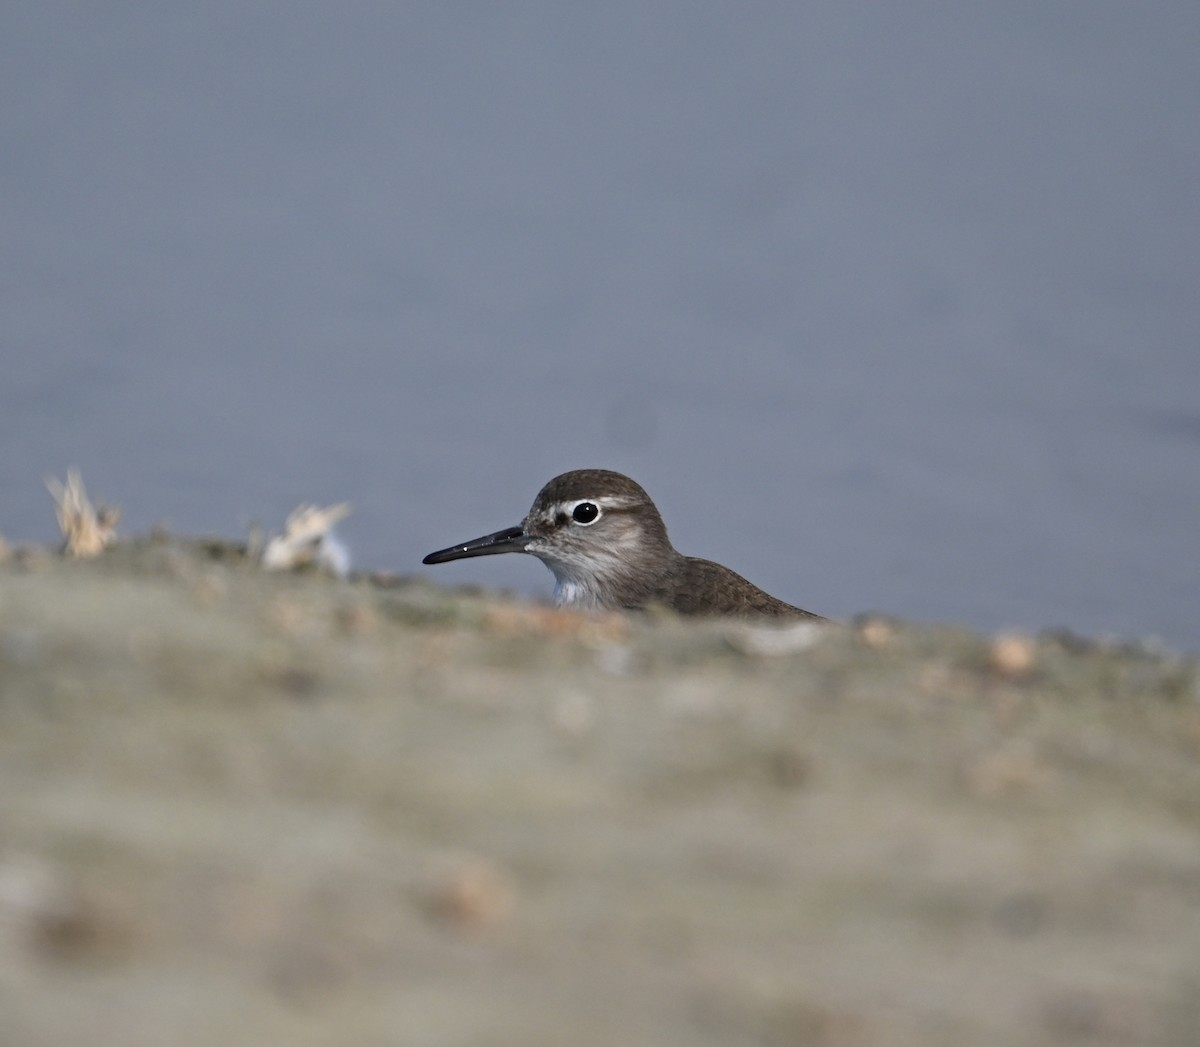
x=606, y=543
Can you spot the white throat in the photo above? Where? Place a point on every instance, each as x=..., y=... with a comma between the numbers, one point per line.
x=573, y=586
x=570, y=592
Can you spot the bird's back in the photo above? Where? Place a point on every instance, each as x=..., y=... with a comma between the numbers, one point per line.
x=702, y=587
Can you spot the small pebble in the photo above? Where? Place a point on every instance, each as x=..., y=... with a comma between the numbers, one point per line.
x=876, y=632
x=1012, y=655
x=475, y=893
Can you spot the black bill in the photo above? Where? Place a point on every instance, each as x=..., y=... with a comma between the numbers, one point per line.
x=510, y=540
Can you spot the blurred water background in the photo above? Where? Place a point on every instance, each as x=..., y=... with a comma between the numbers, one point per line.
x=888, y=306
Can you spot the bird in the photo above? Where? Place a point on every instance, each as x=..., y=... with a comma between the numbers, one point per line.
x=604, y=539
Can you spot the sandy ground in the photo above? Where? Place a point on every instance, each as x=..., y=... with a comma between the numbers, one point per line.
x=250, y=808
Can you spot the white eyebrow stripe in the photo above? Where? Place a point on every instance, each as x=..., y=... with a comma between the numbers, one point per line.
x=604, y=501
x=568, y=508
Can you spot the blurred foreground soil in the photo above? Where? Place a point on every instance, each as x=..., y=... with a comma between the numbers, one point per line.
x=248, y=808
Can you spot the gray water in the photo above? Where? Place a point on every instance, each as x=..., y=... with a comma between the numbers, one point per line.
x=889, y=306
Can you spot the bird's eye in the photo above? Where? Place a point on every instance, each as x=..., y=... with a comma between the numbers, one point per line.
x=585, y=513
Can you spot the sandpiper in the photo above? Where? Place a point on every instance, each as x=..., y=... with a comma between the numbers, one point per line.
x=607, y=545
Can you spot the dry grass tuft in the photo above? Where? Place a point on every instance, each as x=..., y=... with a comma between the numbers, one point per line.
x=308, y=540
x=86, y=530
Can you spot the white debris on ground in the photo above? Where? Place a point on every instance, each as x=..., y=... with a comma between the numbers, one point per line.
x=86, y=530
x=308, y=539
x=777, y=640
